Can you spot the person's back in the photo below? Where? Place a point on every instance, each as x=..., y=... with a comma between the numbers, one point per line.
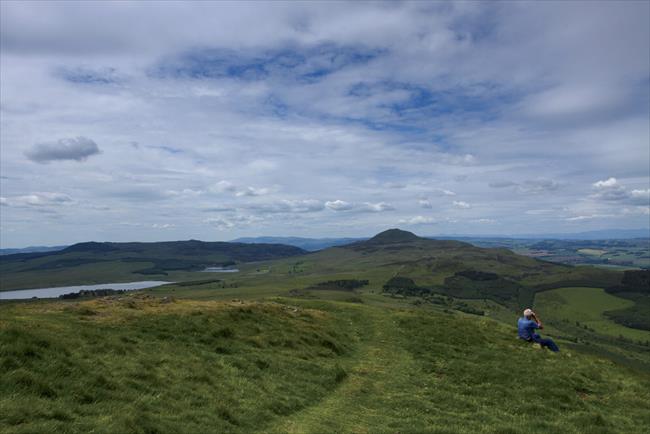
x=526, y=327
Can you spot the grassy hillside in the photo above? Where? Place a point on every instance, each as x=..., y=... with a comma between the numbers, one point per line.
x=141, y=364
x=446, y=267
x=588, y=306
x=92, y=262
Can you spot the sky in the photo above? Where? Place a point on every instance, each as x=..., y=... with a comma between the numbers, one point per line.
x=145, y=121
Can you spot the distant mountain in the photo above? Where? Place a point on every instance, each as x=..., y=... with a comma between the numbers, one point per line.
x=31, y=249
x=310, y=244
x=93, y=262
x=393, y=236
x=313, y=244
x=605, y=234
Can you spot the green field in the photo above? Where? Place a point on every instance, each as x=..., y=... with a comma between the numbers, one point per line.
x=594, y=252
x=587, y=306
x=141, y=364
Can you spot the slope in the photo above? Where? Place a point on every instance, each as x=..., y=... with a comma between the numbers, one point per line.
x=114, y=365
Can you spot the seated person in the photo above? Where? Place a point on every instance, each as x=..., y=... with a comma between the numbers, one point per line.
x=526, y=329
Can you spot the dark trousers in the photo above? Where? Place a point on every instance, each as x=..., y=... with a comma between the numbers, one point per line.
x=548, y=343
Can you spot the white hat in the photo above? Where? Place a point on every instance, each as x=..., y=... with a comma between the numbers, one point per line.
x=528, y=312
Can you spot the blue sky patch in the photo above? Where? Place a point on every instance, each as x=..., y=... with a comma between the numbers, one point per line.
x=299, y=64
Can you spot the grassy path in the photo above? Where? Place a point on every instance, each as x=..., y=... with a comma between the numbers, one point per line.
x=358, y=403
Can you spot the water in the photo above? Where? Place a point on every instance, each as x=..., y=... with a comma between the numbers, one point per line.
x=60, y=290
x=219, y=270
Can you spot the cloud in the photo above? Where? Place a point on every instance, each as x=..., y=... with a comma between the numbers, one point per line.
x=502, y=184
x=530, y=186
x=338, y=205
x=77, y=149
x=289, y=206
x=224, y=186
x=643, y=196
x=376, y=207
x=251, y=191
x=424, y=203
x=39, y=199
x=417, y=220
x=232, y=222
x=228, y=187
x=611, y=190
x=186, y=192
x=162, y=225
x=341, y=205
x=607, y=184
x=589, y=217
x=461, y=205
x=442, y=192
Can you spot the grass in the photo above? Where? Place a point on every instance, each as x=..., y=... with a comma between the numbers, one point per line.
x=588, y=307
x=142, y=364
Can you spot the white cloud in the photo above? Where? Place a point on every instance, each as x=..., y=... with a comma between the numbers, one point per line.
x=613, y=191
x=162, y=225
x=251, y=191
x=39, y=199
x=377, y=207
x=589, y=217
x=424, y=203
x=223, y=186
x=289, y=206
x=607, y=183
x=228, y=187
x=186, y=192
x=461, y=205
x=417, y=220
x=232, y=222
x=530, y=186
x=640, y=196
x=338, y=205
x=341, y=205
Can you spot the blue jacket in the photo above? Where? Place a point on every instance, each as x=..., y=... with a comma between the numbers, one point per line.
x=526, y=328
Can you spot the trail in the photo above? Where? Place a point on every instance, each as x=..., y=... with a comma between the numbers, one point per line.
x=372, y=383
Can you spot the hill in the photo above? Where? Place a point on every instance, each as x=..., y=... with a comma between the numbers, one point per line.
x=94, y=262
x=31, y=249
x=143, y=364
x=309, y=244
x=448, y=267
